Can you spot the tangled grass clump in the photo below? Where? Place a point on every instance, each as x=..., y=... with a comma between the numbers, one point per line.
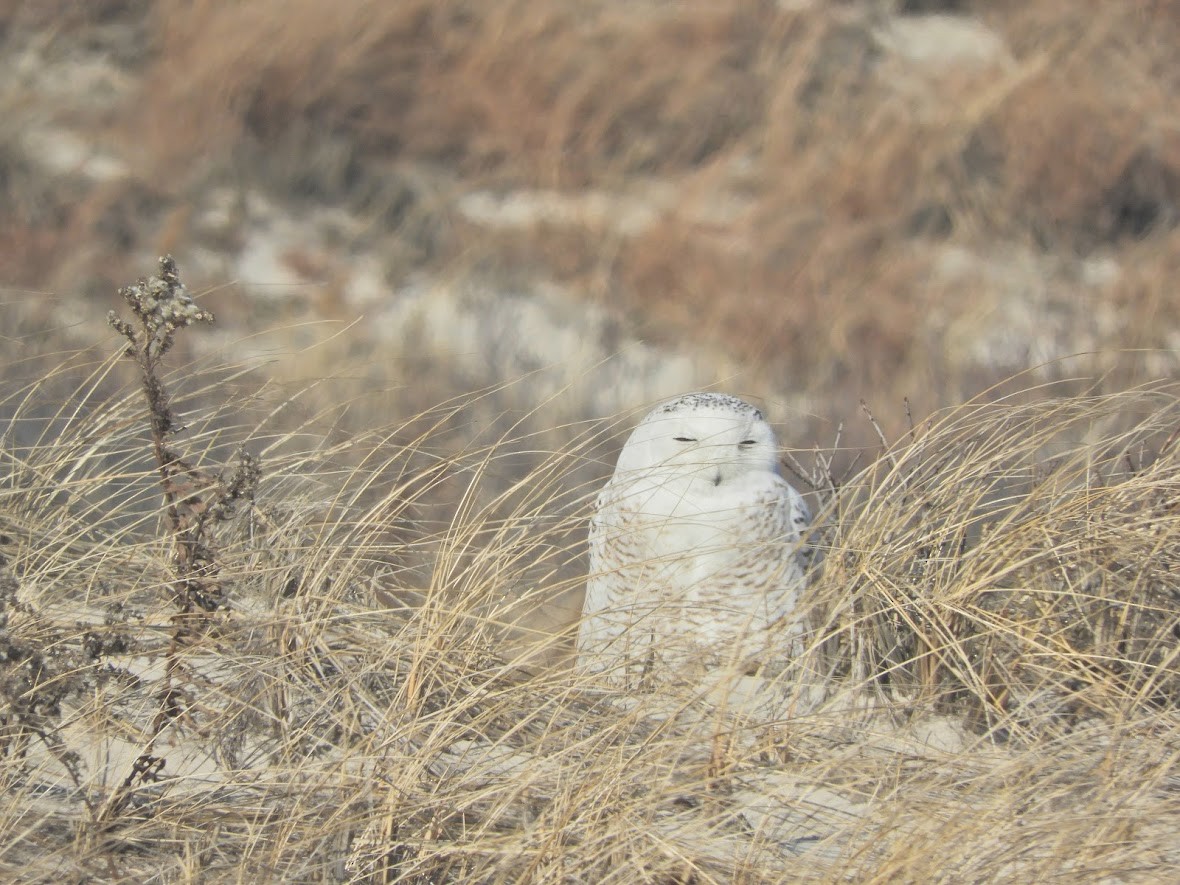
x=1018, y=562
x=989, y=692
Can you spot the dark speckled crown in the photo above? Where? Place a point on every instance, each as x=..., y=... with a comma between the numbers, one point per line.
x=722, y=402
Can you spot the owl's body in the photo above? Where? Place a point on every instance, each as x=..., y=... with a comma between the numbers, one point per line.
x=695, y=559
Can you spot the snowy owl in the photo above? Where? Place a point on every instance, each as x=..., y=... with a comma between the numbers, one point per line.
x=695, y=548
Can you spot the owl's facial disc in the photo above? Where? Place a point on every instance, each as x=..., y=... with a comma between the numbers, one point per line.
x=713, y=447
x=701, y=437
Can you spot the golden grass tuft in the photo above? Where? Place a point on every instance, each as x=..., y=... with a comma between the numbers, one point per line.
x=1014, y=561
x=989, y=691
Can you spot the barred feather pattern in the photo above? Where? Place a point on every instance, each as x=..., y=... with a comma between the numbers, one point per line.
x=696, y=555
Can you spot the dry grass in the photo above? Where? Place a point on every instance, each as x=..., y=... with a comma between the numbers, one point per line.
x=990, y=689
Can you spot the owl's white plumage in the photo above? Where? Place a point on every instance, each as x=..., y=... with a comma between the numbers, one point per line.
x=695, y=547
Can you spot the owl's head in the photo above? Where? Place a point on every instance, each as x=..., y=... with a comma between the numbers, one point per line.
x=711, y=437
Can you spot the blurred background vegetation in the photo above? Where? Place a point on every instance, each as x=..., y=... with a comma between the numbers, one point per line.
x=811, y=203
